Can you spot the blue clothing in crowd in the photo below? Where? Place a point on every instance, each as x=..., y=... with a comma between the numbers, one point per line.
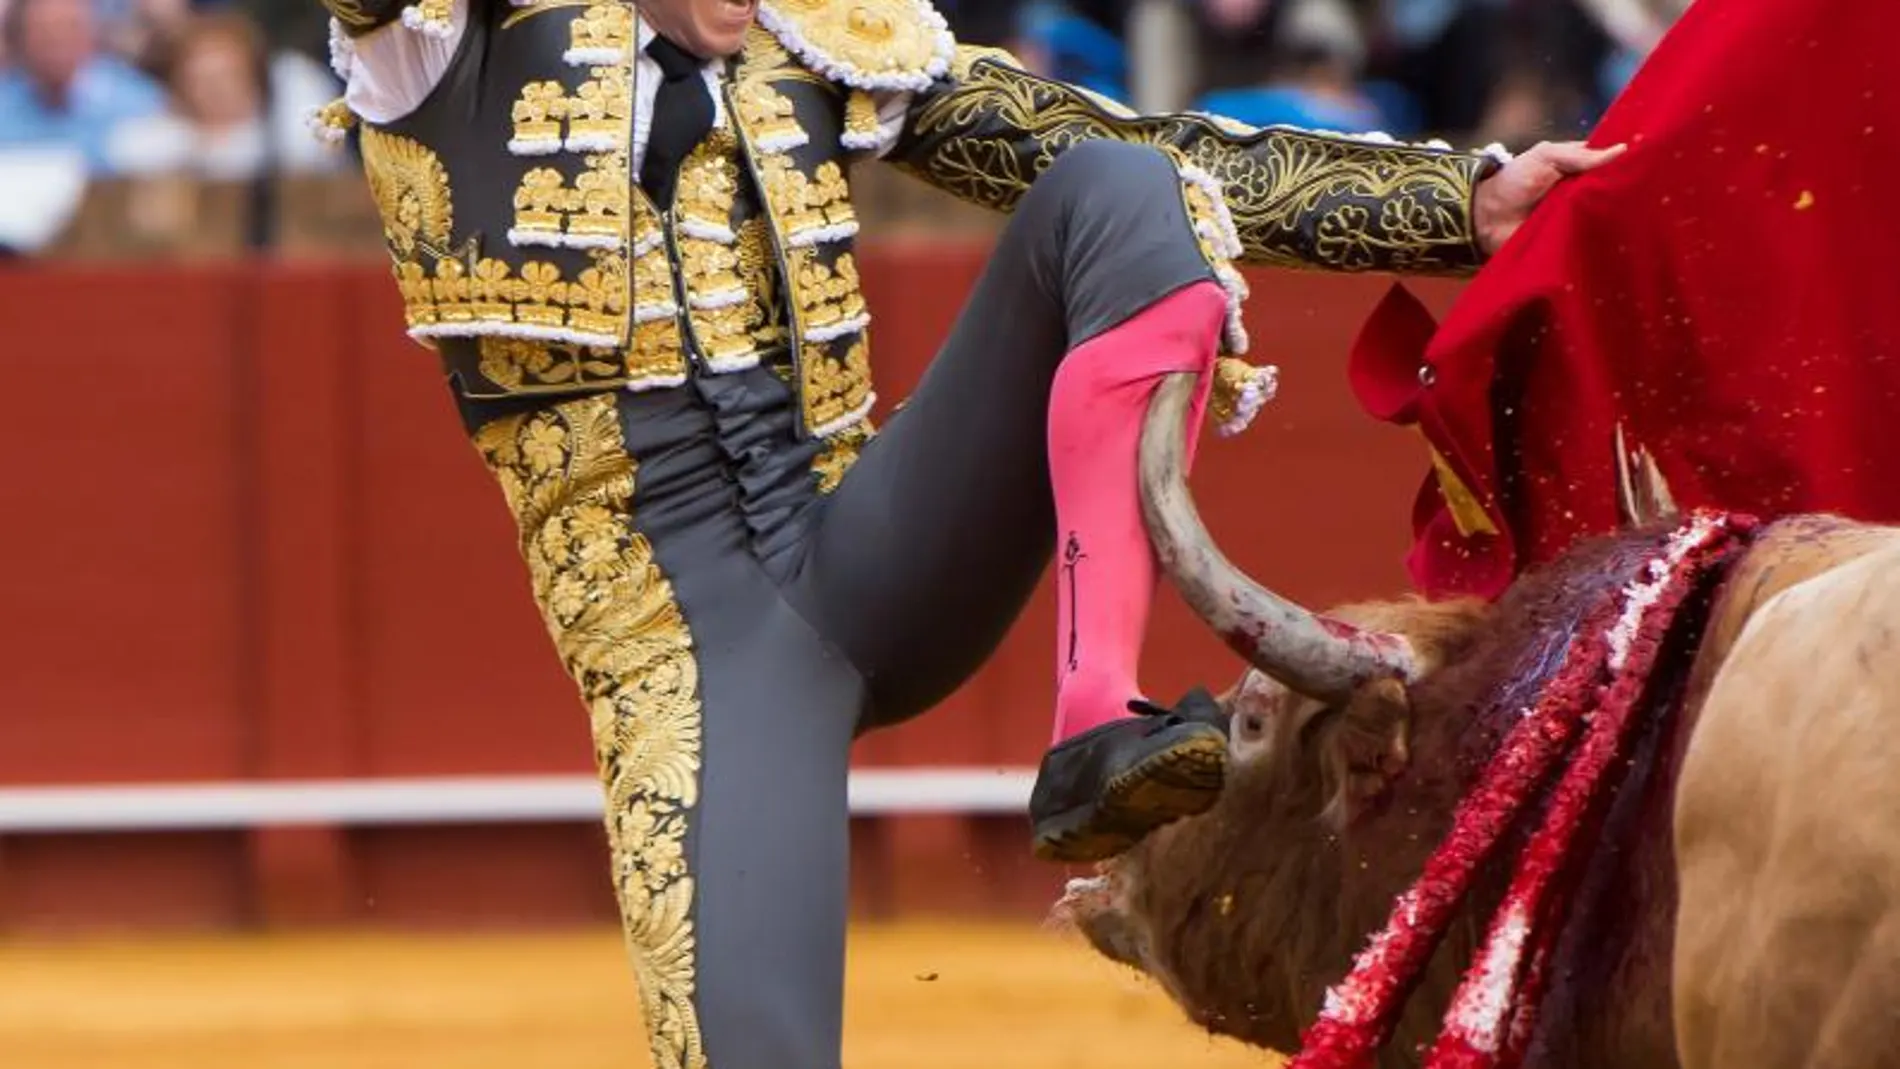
x=105, y=93
x=1287, y=106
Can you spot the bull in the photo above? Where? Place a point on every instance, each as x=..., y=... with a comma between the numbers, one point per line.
x=1742, y=904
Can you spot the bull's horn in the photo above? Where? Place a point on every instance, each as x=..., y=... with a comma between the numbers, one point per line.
x=1313, y=655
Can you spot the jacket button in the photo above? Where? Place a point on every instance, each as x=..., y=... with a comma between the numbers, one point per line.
x=1427, y=375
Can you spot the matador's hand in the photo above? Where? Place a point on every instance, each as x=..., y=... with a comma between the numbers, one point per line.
x=1504, y=200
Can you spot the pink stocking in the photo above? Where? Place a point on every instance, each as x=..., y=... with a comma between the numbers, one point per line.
x=1105, y=567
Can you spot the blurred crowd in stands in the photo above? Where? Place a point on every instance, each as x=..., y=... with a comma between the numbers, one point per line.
x=216, y=91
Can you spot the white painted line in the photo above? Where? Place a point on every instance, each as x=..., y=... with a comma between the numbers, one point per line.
x=447, y=800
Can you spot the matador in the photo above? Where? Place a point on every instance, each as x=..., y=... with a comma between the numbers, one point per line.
x=627, y=231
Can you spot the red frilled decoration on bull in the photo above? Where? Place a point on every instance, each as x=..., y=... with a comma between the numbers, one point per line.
x=1724, y=298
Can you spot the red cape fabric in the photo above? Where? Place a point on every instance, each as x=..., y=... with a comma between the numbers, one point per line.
x=1728, y=292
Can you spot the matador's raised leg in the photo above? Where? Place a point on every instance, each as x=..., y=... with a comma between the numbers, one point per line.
x=935, y=540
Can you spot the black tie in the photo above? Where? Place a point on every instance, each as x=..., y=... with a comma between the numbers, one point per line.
x=682, y=113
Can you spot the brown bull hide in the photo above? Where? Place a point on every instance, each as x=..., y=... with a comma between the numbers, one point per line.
x=1246, y=914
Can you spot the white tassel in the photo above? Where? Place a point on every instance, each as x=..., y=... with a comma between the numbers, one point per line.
x=342, y=52
x=416, y=19
x=818, y=235
x=704, y=231
x=1262, y=386
x=653, y=382
x=487, y=328
x=848, y=420
x=848, y=325
x=726, y=365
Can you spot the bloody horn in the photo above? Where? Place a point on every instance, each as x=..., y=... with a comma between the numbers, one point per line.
x=1311, y=654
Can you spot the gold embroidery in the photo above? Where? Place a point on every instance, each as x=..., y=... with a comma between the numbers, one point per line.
x=1297, y=199
x=759, y=273
x=811, y=212
x=604, y=33
x=486, y=292
x=726, y=306
x=653, y=277
x=593, y=211
x=826, y=297
x=657, y=352
x=765, y=112
x=569, y=481
x=523, y=366
x=840, y=453
x=860, y=115
x=879, y=38
x=834, y=389
x=601, y=109
x=352, y=15
x=540, y=206
x=803, y=204
x=709, y=182
x=601, y=195
x=411, y=190
x=538, y=112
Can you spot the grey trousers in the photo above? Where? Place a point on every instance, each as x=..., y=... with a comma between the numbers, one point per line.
x=733, y=629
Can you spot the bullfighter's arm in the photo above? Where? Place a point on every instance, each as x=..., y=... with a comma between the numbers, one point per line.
x=985, y=130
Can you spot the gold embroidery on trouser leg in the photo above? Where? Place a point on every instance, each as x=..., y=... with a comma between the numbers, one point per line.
x=611, y=612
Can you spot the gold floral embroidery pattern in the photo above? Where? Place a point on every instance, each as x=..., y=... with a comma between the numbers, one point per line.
x=411, y=191
x=840, y=453
x=829, y=297
x=621, y=635
x=537, y=116
x=472, y=296
x=814, y=208
x=357, y=19
x=767, y=114
x=1297, y=199
x=860, y=119
x=837, y=392
x=709, y=183
x=602, y=34
x=600, y=113
x=807, y=200
x=522, y=366
x=592, y=214
x=873, y=44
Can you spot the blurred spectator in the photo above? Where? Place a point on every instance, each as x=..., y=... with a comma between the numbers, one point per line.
x=1059, y=42
x=144, y=30
x=1312, y=80
x=59, y=88
x=1634, y=26
x=234, y=113
x=1449, y=56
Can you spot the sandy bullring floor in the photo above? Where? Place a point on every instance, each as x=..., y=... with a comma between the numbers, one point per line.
x=922, y=996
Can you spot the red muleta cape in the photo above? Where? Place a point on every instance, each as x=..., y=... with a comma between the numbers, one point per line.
x=1728, y=292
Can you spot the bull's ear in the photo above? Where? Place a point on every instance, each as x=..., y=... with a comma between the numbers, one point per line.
x=1371, y=748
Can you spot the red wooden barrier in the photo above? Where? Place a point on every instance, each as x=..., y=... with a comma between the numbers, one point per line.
x=246, y=538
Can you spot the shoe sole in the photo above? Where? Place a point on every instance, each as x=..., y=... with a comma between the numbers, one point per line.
x=1181, y=781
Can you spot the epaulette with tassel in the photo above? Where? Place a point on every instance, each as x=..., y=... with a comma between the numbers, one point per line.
x=332, y=121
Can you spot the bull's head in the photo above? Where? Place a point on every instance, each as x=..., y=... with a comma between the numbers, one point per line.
x=1237, y=912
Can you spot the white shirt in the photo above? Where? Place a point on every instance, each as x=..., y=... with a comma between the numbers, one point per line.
x=394, y=69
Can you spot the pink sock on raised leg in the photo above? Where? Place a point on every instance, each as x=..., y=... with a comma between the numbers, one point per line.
x=1106, y=571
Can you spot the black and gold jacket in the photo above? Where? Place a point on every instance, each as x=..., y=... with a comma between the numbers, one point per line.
x=526, y=254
